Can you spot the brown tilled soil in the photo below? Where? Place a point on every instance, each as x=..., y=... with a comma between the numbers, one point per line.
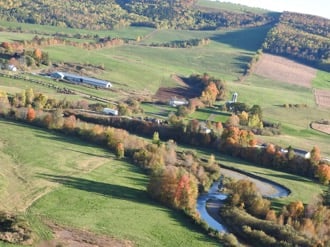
x=322, y=97
x=68, y=237
x=325, y=128
x=285, y=70
x=183, y=90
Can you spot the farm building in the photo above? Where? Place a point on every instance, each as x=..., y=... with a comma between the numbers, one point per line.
x=174, y=102
x=110, y=111
x=233, y=98
x=77, y=79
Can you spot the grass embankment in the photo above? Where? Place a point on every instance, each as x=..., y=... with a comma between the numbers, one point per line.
x=91, y=190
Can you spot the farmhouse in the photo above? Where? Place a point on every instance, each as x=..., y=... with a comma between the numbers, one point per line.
x=203, y=128
x=12, y=67
x=77, y=79
x=298, y=152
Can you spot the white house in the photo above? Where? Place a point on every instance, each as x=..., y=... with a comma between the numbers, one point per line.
x=12, y=67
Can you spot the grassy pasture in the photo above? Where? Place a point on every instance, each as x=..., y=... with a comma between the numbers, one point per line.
x=125, y=33
x=139, y=67
x=112, y=200
x=209, y=114
x=230, y=7
x=157, y=110
x=271, y=96
x=322, y=80
x=90, y=190
x=12, y=37
x=26, y=152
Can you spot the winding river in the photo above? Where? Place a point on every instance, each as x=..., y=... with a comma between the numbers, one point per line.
x=214, y=197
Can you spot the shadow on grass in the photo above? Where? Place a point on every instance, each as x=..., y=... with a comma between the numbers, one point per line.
x=213, y=111
x=287, y=176
x=277, y=205
x=108, y=155
x=101, y=188
x=129, y=194
x=249, y=39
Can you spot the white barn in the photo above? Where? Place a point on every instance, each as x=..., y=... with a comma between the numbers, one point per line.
x=174, y=102
x=77, y=79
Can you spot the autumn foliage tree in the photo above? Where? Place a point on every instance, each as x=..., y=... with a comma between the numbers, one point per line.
x=31, y=114
x=323, y=173
x=209, y=95
x=37, y=54
x=70, y=122
x=174, y=187
x=120, y=151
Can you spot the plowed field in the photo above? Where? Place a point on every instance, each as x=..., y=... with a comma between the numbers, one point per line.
x=285, y=70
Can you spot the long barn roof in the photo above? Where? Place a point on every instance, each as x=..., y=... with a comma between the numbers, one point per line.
x=85, y=79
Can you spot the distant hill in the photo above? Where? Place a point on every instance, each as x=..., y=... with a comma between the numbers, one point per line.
x=302, y=37
x=298, y=36
x=108, y=14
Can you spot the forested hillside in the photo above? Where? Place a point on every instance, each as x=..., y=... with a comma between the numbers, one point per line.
x=302, y=37
x=108, y=14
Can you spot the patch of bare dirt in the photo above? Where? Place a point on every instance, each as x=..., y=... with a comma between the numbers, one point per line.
x=325, y=128
x=263, y=187
x=285, y=70
x=322, y=97
x=183, y=90
x=69, y=237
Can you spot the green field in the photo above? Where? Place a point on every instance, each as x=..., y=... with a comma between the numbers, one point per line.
x=90, y=190
x=28, y=31
x=46, y=176
x=137, y=69
x=271, y=95
x=230, y=7
x=112, y=200
x=55, y=178
x=322, y=80
x=210, y=114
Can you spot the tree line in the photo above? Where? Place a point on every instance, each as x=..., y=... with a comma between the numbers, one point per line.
x=250, y=217
x=176, y=178
x=29, y=53
x=110, y=14
x=183, y=43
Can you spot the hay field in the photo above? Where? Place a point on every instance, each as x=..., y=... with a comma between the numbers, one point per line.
x=322, y=97
x=283, y=69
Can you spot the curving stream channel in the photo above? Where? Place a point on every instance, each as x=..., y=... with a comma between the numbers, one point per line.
x=266, y=187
